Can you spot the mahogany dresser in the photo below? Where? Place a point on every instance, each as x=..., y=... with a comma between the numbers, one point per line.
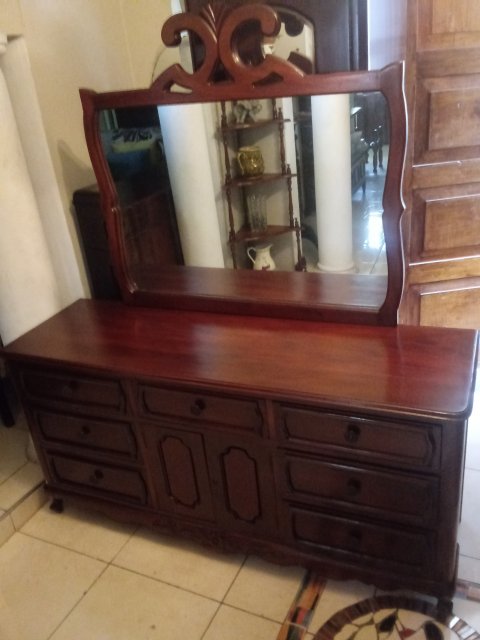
x=337, y=447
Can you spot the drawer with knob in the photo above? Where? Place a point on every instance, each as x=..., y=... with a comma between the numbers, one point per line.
x=411, y=445
x=386, y=547
x=69, y=388
x=105, y=436
x=205, y=407
x=103, y=480
x=411, y=499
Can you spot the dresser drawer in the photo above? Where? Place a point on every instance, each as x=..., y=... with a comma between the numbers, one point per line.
x=409, y=499
x=114, y=482
x=207, y=408
x=417, y=445
x=372, y=544
x=65, y=387
x=102, y=435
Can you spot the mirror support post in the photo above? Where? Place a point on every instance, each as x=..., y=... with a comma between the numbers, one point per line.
x=331, y=148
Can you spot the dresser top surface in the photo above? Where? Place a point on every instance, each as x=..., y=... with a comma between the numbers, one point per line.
x=418, y=370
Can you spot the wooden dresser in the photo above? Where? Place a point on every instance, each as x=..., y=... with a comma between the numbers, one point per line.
x=337, y=447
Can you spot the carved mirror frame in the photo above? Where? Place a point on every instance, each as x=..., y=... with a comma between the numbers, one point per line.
x=311, y=296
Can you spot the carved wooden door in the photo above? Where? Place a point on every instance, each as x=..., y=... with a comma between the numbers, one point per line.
x=442, y=186
x=242, y=483
x=179, y=471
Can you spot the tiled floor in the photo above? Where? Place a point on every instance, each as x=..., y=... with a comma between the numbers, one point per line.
x=79, y=576
x=20, y=479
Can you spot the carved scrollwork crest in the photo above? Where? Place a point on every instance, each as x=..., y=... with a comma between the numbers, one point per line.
x=217, y=26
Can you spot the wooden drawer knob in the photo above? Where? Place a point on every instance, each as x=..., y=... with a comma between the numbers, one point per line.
x=85, y=430
x=97, y=476
x=197, y=407
x=355, y=538
x=69, y=389
x=354, y=487
x=352, y=434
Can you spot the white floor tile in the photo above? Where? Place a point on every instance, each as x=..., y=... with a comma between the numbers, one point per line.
x=19, y=485
x=126, y=606
x=27, y=507
x=7, y=528
x=232, y=624
x=275, y=588
x=469, y=529
x=84, y=531
x=472, y=457
x=13, y=447
x=469, y=569
x=467, y=610
x=180, y=563
x=40, y=584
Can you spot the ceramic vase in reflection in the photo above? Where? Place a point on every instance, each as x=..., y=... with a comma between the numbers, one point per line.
x=250, y=161
x=261, y=258
x=256, y=212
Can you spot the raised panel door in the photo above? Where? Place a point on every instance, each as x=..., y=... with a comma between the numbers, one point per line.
x=447, y=23
x=177, y=464
x=443, y=160
x=243, y=483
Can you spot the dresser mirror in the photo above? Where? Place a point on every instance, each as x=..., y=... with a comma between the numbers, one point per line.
x=178, y=209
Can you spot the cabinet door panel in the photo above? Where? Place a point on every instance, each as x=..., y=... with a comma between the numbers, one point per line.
x=448, y=23
x=179, y=470
x=454, y=303
x=242, y=482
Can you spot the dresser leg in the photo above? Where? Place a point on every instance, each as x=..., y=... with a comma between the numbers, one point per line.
x=56, y=505
x=445, y=608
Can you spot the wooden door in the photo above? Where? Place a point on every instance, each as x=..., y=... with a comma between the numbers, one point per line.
x=242, y=483
x=442, y=180
x=177, y=463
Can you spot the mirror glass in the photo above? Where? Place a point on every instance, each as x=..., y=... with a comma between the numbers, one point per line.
x=316, y=200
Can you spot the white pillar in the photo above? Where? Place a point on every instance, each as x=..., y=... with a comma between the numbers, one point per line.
x=21, y=87
x=186, y=150
x=28, y=288
x=333, y=191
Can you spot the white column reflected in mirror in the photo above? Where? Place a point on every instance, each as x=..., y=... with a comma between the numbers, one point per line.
x=333, y=191
x=191, y=181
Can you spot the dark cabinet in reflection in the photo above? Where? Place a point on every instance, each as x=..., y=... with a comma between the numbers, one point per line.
x=150, y=236
x=94, y=243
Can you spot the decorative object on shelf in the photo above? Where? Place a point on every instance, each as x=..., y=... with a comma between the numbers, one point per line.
x=262, y=261
x=244, y=111
x=257, y=212
x=231, y=134
x=250, y=161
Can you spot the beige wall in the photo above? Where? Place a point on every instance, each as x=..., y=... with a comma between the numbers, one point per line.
x=10, y=17
x=99, y=44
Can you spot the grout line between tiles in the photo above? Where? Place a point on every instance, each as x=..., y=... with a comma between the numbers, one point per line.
x=22, y=466
x=245, y=558
x=25, y=497
x=79, y=600
x=220, y=604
